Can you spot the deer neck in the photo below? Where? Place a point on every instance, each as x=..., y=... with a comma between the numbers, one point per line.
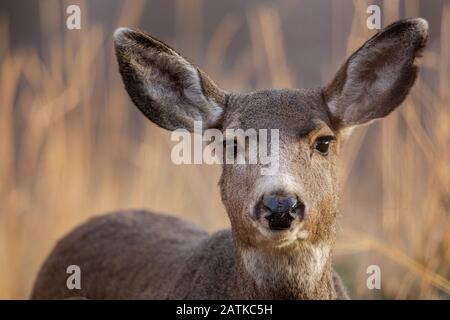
x=300, y=271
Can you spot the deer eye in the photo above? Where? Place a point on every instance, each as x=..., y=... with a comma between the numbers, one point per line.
x=228, y=144
x=322, y=144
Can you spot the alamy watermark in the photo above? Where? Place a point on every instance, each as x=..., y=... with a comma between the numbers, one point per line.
x=374, y=19
x=235, y=146
x=74, y=279
x=73, y=21
x=374, y=279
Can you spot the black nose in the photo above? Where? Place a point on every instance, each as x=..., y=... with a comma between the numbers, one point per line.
x=281, y=209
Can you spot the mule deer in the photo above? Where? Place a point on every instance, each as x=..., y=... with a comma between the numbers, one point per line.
x=282, y=226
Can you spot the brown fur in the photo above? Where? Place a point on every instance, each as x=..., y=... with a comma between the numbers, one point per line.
x=143, y=255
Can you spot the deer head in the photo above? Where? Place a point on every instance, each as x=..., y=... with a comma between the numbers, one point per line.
x=299, y=202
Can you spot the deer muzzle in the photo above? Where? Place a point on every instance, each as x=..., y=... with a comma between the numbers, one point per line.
x=280, y=210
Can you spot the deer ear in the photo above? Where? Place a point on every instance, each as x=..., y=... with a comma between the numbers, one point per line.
x=168, y=89
x=378, y=76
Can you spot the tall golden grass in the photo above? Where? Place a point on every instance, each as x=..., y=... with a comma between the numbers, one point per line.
x=72, y=147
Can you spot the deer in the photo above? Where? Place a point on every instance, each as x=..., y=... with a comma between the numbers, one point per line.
x=283, y=226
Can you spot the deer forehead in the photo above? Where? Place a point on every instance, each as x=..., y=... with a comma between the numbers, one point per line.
x=294, y=112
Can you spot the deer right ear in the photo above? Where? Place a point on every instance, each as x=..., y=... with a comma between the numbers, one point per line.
x=378, y=76
x=168, y=89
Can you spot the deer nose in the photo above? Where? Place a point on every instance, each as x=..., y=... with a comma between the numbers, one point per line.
x=281, y=210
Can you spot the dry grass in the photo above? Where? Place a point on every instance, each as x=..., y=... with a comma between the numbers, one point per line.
x=71, y=146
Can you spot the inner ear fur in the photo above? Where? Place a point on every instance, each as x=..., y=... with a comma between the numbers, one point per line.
x=166, y=87
x=378, y=76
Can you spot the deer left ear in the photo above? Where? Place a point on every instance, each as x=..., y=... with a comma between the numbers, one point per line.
x=378, y=76
x=168, y=89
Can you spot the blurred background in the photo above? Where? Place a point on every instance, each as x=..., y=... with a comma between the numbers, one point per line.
x=72, y=145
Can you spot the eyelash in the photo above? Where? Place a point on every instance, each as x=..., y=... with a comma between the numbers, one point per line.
x=235, y=145
x=322, y=144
